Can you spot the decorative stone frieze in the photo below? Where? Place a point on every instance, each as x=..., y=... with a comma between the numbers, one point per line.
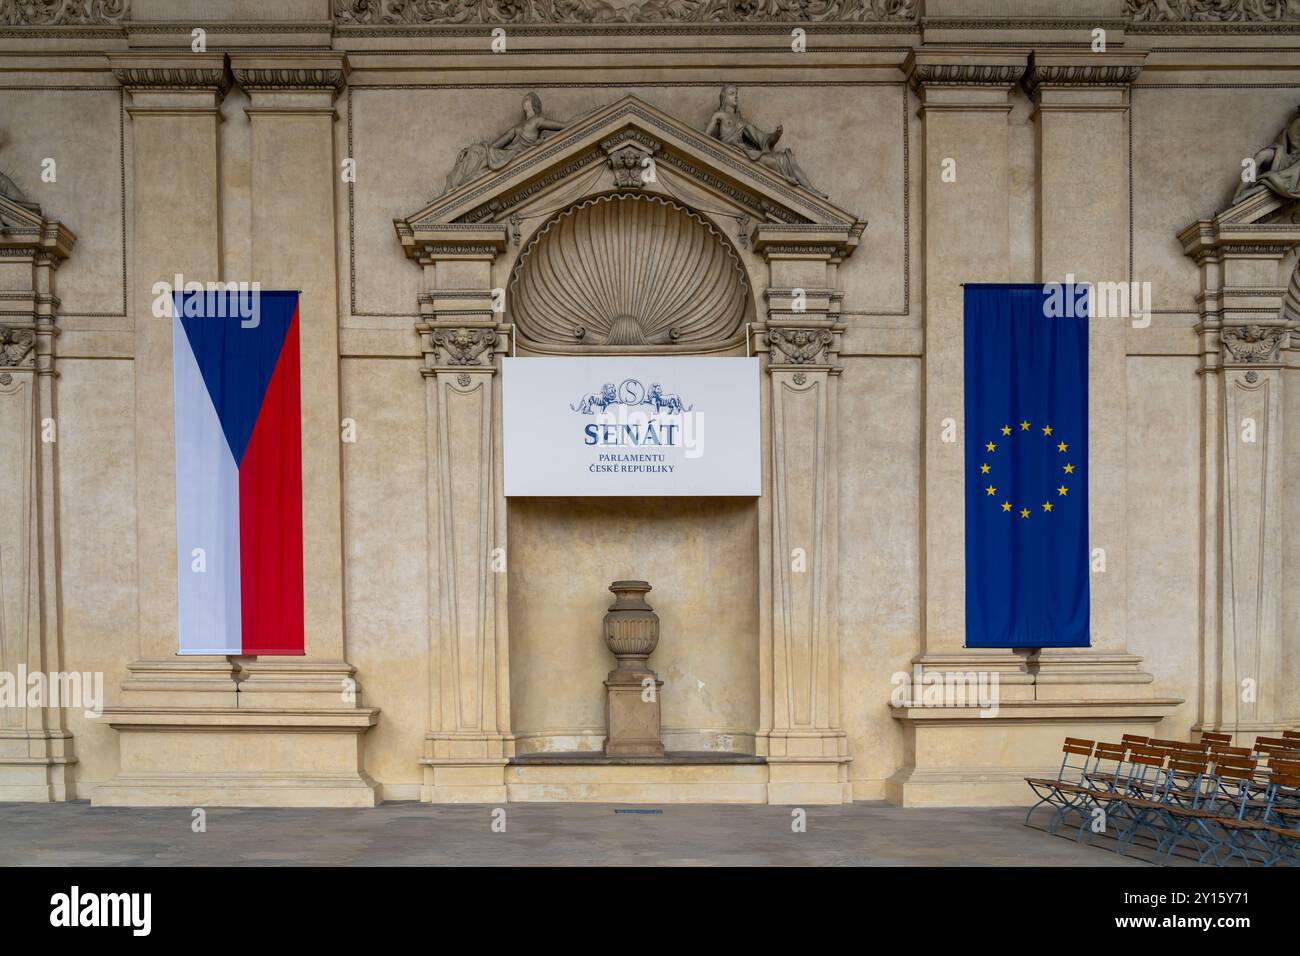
x=374, y=12
x=60, y=13
x=1210, y=11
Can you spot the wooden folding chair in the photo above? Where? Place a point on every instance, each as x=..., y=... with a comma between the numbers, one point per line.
x=1272, y=836
x=1215, y=738
x=1134, y=789
x=1063, y=792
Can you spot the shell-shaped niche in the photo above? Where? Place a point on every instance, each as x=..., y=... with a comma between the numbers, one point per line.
x=627, y=272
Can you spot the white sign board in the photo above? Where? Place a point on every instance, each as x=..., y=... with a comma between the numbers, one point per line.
x=617, y=426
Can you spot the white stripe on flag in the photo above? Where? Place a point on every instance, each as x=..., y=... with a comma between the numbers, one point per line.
x=207, y=514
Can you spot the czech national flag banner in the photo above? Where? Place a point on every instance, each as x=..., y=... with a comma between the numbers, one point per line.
x=238, y=472
x=1026, y=360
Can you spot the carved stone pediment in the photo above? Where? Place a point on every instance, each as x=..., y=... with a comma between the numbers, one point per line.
x=634, y=233
x=629, y=124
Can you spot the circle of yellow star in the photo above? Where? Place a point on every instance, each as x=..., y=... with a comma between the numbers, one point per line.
x=1047, y=506
x=1047, y=429
x=1006, y=429
x=1024, y=426
x=1069, y=469
x=1006, y=506
x=984, y=469
x=1062, y=490
x=991, y=447
x=1024, y=512
x=991, y=490
x=1062, y=446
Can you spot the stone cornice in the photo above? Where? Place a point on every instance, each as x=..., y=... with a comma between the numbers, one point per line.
x=171, y=72
x=805, y=241
x=1082, y=69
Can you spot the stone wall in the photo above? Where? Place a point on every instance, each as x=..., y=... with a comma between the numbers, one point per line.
x=1068, y=160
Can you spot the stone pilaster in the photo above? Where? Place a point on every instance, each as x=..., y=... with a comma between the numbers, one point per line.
x=965, y=102
x=36, y=754
x=216, y=731
x=1244, y=333
x=291, y=115
x=1081, y=104
x=959, y=751
x=469, y=740
x=174, y=128
x=800, y=729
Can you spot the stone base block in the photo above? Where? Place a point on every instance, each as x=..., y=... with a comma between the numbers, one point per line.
x=464, y=783
x=632, y=721
x=35, y=766
x=639, y=783
x=816, y=782
x=270, y=757
x=955, y=757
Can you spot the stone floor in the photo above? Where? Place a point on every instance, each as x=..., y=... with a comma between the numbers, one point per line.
x=536, y=835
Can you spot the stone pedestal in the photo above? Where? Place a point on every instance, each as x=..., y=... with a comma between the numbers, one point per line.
x=632, y=688
x=632, y=714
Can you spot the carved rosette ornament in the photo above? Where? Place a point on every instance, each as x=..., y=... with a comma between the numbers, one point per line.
x=464, y=346
x=799, y=346
x=1251, y=344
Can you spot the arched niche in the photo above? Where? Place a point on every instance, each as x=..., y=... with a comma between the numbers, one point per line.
x=516, y=594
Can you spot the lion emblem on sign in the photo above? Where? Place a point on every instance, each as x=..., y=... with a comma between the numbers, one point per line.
x=672, y=402
x=607, y=396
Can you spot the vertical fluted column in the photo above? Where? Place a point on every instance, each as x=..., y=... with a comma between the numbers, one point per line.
x=801, y=733
x=35, y=746
x=469, y=740
x=1244, y=330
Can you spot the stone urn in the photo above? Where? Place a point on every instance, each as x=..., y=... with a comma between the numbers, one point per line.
x=631, y=626
x=632, y=689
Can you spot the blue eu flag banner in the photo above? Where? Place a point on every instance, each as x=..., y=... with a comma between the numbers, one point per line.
x=1026, y=466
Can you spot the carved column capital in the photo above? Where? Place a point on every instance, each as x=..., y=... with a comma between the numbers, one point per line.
x=805, y=347
x=461, y=348
x=1253, y=344
x=292, y=72
x=931, y=69
x=148, y=72
x=1086, y=70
